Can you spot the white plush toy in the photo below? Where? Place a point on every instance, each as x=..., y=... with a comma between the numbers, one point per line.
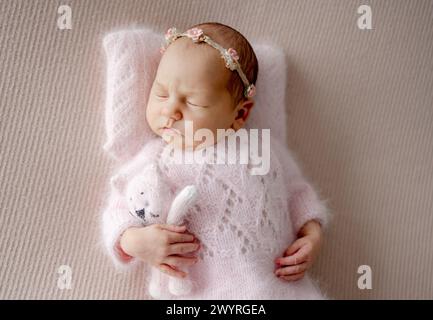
x=151, y=200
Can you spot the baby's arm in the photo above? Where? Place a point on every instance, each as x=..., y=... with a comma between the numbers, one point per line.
x=300, y=255
x=126, y=241
x=309, y=215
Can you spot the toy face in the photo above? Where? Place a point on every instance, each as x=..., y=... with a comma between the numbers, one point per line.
x=141, y=213
x=141, y=208
x=139, y=202
x=145, y=195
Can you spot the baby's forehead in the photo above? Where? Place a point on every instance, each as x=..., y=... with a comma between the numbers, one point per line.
x=201, y=54
x=197, y=60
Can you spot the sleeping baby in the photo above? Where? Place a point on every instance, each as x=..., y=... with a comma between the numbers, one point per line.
x=213, y=229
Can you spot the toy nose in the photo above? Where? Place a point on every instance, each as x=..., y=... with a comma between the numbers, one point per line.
x=140, y=213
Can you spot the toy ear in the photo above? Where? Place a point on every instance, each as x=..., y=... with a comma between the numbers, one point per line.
x=184, y=200
x=188, y=195
x=118, y=182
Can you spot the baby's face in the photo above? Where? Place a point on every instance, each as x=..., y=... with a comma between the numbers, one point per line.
x=190, y=85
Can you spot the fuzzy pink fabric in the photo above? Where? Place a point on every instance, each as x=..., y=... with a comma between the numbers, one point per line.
x=244, y=221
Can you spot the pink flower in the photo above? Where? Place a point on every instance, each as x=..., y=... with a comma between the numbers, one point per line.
x=170, y=32
x=232, y=52
x=251, y=91
x=194, y=34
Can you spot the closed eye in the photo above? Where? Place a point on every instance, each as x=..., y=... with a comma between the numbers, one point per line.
x=196, y=105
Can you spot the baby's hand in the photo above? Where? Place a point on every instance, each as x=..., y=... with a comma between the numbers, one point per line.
x=301, y=254
x=162, y=246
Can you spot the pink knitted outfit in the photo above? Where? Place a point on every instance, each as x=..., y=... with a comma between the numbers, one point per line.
x=244, y=222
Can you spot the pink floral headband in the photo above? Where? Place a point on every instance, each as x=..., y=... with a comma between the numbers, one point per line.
x=230, y=55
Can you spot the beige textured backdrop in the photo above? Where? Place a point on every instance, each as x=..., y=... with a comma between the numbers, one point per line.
x=360, y=118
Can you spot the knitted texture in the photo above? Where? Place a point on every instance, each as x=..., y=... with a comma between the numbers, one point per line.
x=243, y=221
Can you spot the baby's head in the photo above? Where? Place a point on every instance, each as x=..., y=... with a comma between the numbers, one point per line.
x=193, y=84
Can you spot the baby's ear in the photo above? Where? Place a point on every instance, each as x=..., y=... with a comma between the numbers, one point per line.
x=243, y=110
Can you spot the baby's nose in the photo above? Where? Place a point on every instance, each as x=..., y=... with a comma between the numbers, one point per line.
x=172, y=112
x=177, y=116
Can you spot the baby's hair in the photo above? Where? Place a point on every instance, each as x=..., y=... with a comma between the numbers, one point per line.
x=230, y=38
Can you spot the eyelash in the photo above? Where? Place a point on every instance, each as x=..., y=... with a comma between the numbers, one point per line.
x=192, y=104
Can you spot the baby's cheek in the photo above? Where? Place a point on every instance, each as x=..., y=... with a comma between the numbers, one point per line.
x=151, y=117
x=202, y=123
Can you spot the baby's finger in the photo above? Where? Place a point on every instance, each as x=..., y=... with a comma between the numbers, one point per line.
x=174, y=237
x=171, y=271
x=293, y=277
x=181, y=248
x=295, y=246
x=298, y=257
x=291, y=270
x=178, y=261
x=172, y=227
